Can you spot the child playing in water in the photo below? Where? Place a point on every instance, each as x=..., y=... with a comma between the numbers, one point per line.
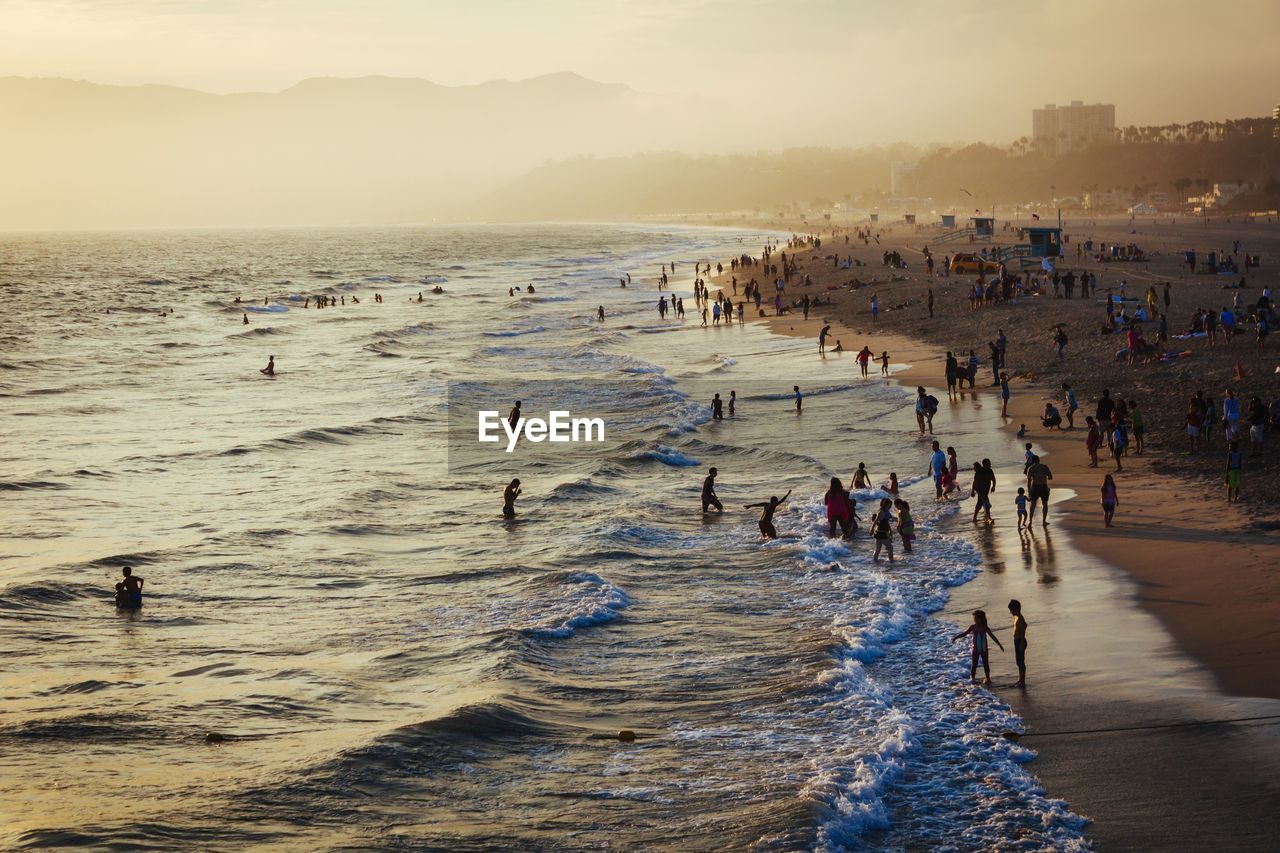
x=979, y=632
x=882, y=529
x=767, y=509
x=892, y=488
x=906, y=525
x=1021, y=501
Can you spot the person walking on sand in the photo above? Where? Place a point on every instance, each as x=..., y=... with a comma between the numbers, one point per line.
x=884, y=363
x=1019, y=641
x=1109, y=500
x=1038, y=477
x=980, y=634
x=509, y=495
x=767, y=509
x=937, y=467
x=882, y=529
x=1004, y=395
x=1021, y=503
x=709, y=498
x=1235, y=463
x=1070, y=403
x=1093, y=441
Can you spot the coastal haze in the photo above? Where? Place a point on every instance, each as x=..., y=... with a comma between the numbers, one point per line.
x=266, y=264
x=140, y=113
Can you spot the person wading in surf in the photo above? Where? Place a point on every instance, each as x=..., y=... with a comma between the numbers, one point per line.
x=766, y=515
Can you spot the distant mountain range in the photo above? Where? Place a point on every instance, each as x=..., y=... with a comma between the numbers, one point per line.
x=327, y=150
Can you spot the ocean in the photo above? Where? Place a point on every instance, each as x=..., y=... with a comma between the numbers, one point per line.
x=345, y=646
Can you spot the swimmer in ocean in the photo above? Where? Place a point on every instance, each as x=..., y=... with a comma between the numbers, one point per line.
x=767, y=510
x=709, y=498
x=600, y=313
x=246, y=318
x=270, y=369
x=129, y=590
x=717, y=408
x=530, y=289
x=509, y=495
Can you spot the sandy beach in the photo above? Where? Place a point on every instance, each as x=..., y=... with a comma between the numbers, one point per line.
x=1173, y=519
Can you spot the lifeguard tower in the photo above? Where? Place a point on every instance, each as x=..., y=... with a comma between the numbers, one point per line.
x=1045, y=242
x=875, y=217
x=909, y=218
x=948, y=220
x=984, y=226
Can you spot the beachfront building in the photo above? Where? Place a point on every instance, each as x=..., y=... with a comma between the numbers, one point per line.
x=1222, y=194
x=1275, y=122
x=1061, y=129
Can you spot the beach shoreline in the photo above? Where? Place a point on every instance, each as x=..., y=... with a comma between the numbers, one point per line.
x=1162, y=535
x=1191, y=650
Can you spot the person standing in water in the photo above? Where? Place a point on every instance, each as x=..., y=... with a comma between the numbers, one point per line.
x=129, y=590
x=717, y=408
x=799, y=398
x=837, y=501
x=882, y=529
x=1019, y=641
x=513, y=417
x=733, y=399
x=600, y=313
x=509, y=495
x=767, y=509
x=937, y=467
x=709, y=498
x=270, y=369
x=980, y=633
x=822, y=339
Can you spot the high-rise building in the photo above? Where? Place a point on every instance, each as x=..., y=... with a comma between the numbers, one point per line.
x=1060, y=129
x=900, y=178
x=1275, y=122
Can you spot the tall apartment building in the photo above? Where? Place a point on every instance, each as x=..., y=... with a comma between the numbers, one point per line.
x=1275, y=122
x=901, y=178
x=1059, y=129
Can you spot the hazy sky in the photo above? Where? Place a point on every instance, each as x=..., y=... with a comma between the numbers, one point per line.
x=920, y=70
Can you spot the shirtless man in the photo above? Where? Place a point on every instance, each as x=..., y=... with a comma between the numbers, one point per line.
x=514, y=417
x=509, y=495
x=270, y=369
x=129, y=590
x=709, y=498
x=1038, y=477
x=766, y=515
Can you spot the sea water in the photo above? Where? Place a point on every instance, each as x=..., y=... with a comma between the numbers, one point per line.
x=344, y=644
